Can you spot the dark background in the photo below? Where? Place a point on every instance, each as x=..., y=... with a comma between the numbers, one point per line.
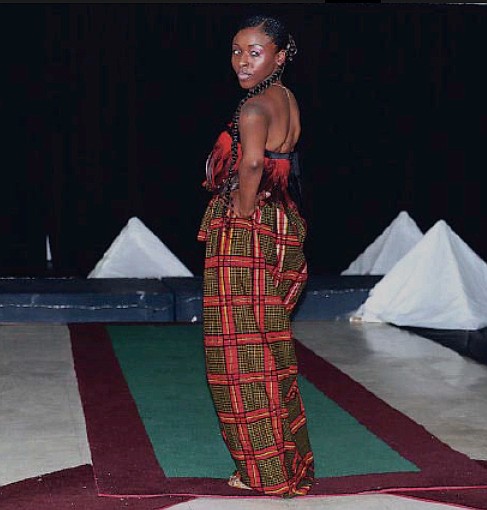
x=109, y=110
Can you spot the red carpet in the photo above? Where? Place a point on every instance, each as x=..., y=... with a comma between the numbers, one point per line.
x=125, y=464
x=468, y=498
x=72, y=489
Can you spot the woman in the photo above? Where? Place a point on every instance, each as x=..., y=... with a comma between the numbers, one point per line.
x=255, y=271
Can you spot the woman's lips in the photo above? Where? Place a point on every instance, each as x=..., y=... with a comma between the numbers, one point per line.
x=243, y=76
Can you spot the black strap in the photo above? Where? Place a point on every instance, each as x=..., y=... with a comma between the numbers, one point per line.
x=278, y=155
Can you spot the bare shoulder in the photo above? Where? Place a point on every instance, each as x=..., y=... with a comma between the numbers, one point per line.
x=256, y=109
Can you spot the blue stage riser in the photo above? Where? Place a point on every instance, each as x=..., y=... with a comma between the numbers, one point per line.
x=66, y=300
x=152, y=300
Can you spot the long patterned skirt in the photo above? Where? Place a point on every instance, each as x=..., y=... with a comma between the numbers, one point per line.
x=254, y=273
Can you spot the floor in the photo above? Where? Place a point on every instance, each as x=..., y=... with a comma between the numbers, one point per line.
x=432, y=384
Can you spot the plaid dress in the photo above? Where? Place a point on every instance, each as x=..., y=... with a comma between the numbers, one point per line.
x=254, y=273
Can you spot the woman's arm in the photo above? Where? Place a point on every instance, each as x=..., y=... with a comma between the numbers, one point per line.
x=253, y=125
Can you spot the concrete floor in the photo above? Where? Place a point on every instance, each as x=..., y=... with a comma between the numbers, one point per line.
x=432, y=384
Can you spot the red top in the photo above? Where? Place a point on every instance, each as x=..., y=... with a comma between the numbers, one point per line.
x=275, y=177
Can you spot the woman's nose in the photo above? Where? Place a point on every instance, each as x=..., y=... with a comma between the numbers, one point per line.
x=244, y=60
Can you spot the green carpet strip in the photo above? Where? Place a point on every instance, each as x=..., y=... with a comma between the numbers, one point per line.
x=165, y=371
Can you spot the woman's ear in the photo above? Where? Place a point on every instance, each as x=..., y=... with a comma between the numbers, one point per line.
x=281, y=58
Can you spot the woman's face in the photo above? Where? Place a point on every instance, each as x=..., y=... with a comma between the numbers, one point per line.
x=254, y=56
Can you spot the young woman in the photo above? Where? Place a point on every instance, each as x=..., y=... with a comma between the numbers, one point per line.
x=255, y=271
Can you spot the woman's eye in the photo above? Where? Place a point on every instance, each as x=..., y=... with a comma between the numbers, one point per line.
x=235, y=52
x=255, y=53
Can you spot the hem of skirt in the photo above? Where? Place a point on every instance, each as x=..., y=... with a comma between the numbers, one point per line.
x=300, y=491
x=302, y=488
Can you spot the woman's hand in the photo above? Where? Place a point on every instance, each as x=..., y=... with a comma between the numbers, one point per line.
x=237, y=208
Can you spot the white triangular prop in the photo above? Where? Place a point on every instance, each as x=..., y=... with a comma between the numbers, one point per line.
x=138, y=253
x=387, y=249
x=441, y=284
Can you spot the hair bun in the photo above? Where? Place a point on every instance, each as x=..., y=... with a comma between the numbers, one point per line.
x=291, y=49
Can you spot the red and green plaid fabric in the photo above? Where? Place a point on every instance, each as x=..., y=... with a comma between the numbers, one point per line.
x=255, y=271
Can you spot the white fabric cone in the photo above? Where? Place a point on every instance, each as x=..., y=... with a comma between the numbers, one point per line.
x=138, y=253
x=387, y=249
x=441, y=284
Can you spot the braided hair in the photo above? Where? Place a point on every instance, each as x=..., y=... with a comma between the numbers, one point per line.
x=277, y=32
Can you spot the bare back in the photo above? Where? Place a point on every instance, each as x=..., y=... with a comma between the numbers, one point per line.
x=284, y=126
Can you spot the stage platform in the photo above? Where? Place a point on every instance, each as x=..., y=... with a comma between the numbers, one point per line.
x=66, y=300
x=154, y=300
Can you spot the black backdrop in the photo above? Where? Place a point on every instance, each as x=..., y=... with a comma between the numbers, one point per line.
x=108, y=112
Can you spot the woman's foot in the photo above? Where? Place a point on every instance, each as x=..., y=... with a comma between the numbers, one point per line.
x=236, y=482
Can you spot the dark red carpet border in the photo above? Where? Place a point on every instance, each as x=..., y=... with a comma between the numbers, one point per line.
x=125, y=464
x=73, y=489
x=463, y=498
x=466, y=498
